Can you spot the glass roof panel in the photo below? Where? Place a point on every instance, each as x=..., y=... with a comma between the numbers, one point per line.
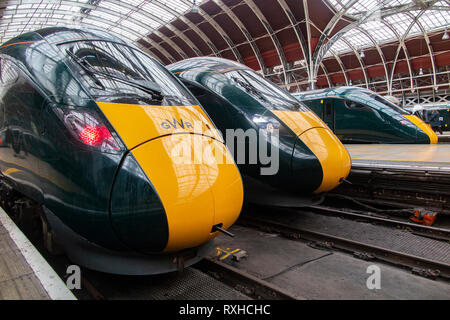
x=363, y=6
x=133, y=19
x=389, y=26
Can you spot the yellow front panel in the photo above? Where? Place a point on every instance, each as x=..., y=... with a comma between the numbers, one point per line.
x=328, y=149
x=196, y=191
x=331, y=153
x=424, y=127
x=226, y=185
x=298, y=121
x=183, y=189
x=136, y=124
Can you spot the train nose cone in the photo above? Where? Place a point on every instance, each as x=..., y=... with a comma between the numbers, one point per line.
x=192, y=182
x=198, y=185
x=423, y=129
x=334, y=159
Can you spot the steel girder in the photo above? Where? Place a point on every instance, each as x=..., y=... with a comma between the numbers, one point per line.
x=271, y=33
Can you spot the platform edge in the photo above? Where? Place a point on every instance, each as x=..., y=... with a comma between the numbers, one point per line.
x=52, y=283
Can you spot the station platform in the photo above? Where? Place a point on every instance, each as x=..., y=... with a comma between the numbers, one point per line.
x=24, y=273
x=415, y=157
x=444, y=137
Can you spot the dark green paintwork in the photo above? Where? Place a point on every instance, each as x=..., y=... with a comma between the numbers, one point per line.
x=371, y=121
x=71, y=179
x=445, y=114
x=134, y=200
x=232, y=107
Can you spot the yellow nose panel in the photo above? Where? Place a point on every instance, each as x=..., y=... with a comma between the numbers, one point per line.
x=226, y=184
x=197, y=182
x=332, y=155
x=136, y=124
x=424, y=127
x=298, y=121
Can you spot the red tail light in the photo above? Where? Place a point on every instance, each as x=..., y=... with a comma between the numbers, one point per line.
x=91, y=135
x=87, y=127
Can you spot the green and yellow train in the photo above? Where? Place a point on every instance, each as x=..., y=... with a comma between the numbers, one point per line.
x=312, y=160
x=423, y=111
x=359, y=115
x=88, y=126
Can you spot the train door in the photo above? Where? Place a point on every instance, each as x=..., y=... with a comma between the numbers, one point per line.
x=329, y=114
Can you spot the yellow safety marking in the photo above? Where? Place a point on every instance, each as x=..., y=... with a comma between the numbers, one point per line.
x=136, y=124
x=404, y=160
x=328, y=149
x=227, y=253
x=424, y=127
x=436, y=153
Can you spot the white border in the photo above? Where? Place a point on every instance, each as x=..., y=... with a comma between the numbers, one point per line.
x=51, y=282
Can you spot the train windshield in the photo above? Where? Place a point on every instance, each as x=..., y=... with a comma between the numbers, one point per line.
x=114, y=72
x=270, y=95
x=390, y=104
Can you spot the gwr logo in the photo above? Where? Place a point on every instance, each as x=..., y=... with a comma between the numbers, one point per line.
x=169, y=124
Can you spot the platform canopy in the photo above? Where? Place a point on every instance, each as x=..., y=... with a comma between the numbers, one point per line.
x=386, y=45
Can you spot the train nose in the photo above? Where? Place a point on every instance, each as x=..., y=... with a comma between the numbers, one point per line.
x=423, y=130
x=316, y=151
x=197, y=185
x=334, y=159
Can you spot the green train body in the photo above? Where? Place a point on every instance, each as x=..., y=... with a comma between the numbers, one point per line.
x=81, y=134
x=445, y=114
x=311, y=158
x=359, y=115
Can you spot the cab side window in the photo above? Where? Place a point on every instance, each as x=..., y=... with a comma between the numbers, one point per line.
x=353, y=105
x=8, y=72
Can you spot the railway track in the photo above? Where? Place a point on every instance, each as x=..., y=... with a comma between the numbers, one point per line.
x=255, y=288
x=96, y=285
x=237, y=280
x=401, y=187
x=423, y=230
x=420, y=265
x=249, y=285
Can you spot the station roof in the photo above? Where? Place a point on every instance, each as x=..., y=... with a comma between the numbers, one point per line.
x=384, y=45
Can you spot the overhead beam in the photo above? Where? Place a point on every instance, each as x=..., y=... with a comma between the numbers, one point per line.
x=270, y=32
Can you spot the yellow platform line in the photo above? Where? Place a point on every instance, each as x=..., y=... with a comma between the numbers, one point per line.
x=432, y=161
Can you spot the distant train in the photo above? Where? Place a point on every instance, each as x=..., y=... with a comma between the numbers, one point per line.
x=88, y=126
x=359, y=115
x=423, y=110
x=312, y=160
